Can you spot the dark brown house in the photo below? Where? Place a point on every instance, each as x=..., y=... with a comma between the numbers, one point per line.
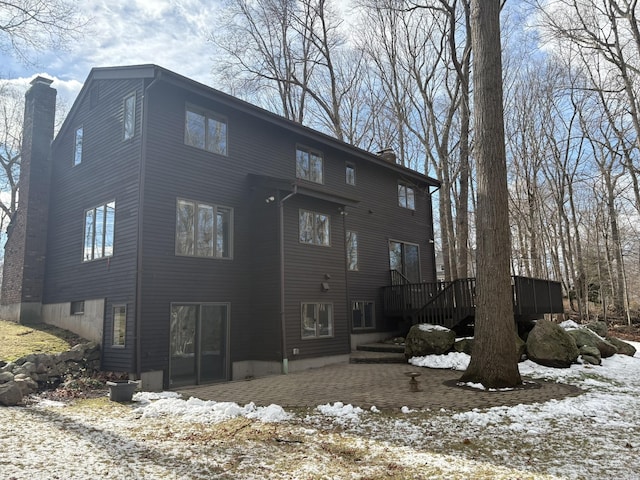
x=199, y=238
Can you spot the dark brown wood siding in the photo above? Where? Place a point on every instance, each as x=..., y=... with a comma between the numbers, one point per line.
x=109, y=172
x=307, y=267
x=250, y=281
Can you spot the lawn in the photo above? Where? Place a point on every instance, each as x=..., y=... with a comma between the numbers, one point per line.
x=19, y=340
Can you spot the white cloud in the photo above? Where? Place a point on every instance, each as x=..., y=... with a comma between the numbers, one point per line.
x=169, y=33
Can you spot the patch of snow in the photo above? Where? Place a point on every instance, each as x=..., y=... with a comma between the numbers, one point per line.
x=477, y=386
x=45, y=403
x=450, y=361
x=340, y=410
x=570, y=325
x=427, y=327
x=406, y=409
x=209, y=411
x=147, y=397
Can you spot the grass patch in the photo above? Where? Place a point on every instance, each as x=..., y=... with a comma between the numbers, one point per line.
x=19, y=340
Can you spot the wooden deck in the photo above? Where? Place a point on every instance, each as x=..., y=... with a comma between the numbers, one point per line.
x=453, y=303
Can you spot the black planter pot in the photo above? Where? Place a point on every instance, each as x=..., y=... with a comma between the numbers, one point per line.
x=122, y=391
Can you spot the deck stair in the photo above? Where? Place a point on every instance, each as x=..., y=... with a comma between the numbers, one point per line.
x=382, y=352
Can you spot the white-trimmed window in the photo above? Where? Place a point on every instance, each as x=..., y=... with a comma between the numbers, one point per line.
x=406, y=196
x=99, y=224
x=317, y=320
x=350, y=174
x=77, y=146
x=205, y=130
x=129, y=116
x=314, y=228
x=362, y=314
x=119, y=325
x=203, y=230
x=309, y=165
x=352, y=251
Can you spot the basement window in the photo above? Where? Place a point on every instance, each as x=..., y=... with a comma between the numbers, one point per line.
x=77, y=307
x=317, y=320
x=363, y=315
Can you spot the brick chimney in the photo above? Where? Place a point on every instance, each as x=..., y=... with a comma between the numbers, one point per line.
x=388, y=155
x=25, y=250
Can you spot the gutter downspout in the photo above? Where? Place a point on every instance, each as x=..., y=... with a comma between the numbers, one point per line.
x=283, y=330
x=343, y=213
x=141, y=178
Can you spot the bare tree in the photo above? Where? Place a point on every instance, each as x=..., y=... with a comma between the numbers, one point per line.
x=421, y=53
x=297, y=47
x=11, y=111
x=494, y=360
x=28, y=26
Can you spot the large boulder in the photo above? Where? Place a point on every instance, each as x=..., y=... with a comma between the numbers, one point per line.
x=624, y=348
x=10, y=394
x=463, y=345
x=425, y=339
x=550, y=345
x=590, y=355
x=599, y=328
x=26, y=384
x=585, y=336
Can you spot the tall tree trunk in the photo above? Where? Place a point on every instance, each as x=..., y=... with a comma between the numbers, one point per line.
x=494, y=360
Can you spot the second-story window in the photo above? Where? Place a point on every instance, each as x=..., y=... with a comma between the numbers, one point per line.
x=314, y=228
x=77, y=146
x=129, y=116
x=203, y=230
x=205, y=130
x=99, y=223
x=352, y=251
x=406, y=197
x=309, y=165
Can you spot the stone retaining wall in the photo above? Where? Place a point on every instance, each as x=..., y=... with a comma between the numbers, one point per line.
x=39, y=371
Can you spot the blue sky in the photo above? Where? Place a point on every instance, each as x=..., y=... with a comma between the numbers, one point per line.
x=170, y=33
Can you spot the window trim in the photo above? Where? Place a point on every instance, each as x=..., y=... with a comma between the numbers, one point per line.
x=350, y=166
x=208, y=115
x=406, y=204
x=78, y=141
x=126, y=135
x=331, y=326
x=314, y=227
x=113, y=327
x=215, y=207
x=309, y=151
x=105, y=232
x=373, y=314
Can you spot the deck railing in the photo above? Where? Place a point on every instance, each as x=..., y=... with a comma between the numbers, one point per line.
x=450, y=303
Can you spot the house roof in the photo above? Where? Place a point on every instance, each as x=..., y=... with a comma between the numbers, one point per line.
x=160, y=74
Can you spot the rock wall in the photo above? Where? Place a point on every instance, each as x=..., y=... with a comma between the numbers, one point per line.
x=40, y=371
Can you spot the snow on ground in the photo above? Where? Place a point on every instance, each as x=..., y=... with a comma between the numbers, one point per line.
x=593, y=435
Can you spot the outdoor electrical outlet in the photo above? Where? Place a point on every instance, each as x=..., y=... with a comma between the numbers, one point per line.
x=296, y=351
